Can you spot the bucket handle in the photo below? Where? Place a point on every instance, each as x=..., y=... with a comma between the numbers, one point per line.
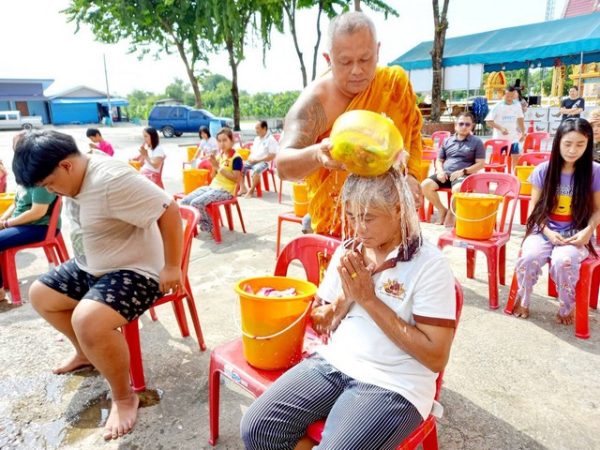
x=481, y=219
x=279, y=333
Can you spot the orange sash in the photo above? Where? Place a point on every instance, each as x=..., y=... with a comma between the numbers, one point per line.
x=390, y=92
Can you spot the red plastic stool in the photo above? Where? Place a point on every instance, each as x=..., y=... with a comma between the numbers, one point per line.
x=289, y=217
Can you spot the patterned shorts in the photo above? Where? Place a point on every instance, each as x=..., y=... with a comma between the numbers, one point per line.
x=125, y=291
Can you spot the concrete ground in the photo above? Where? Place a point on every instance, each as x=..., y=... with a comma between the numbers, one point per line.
x=510, y=384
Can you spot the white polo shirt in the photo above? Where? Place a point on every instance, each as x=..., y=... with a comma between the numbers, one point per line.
x=424, y=287
x=264, y=146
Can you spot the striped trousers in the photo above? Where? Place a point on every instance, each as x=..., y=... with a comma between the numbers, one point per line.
x=201, y=197
x=360, y=416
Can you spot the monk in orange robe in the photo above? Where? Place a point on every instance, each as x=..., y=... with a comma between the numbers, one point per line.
x=353, y=82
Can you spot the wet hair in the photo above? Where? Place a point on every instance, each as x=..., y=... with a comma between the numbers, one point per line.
x=154, y=140
x=582, y=203
x=349, y=23
x=38, y=153
x=93, y=132
x=382, y=192
x=205, y=130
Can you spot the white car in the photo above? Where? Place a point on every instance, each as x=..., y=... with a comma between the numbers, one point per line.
x=13, y=120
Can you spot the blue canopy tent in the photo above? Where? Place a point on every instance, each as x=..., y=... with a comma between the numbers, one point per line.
x=573, y=40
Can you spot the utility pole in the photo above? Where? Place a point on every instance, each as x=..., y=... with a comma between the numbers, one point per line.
x=109, y=121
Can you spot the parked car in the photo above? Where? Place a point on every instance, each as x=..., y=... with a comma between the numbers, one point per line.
x=13, y=120
x=174, y=120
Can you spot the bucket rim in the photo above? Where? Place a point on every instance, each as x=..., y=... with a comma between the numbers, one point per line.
x=468, y=195
x=311, y=287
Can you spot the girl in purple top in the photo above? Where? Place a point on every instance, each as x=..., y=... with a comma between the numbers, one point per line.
x=564, y=212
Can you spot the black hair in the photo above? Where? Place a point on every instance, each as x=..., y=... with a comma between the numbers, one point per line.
x=467, y=114
x=203, y=129
x=263, y=124
x=582, y=203
x=153, y=136
x=93, y=132
x=574, y=87
x=511, y=88
x=38, y=153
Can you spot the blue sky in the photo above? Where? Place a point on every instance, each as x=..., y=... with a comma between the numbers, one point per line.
x=39, y=43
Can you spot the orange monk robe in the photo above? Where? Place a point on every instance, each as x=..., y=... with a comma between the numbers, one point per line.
x=390, y=92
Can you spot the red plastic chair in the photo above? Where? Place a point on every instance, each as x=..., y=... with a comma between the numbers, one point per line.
x=508, y=186
x=53, y=245
x=284, y=217
x=533, y=141
x=237, y=137
x=586, y=294
x=265, y=180
x=426, y=433
x=277, y=136
x=312, y=251
x=213, y=210
x=430, y=154
x=131, y=331
x=529, y=159
x=438, y=138
x=3, y=178
x=500, y=157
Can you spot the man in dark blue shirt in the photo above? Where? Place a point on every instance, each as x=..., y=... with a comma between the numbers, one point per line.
x=459, y=156
x=572, y=106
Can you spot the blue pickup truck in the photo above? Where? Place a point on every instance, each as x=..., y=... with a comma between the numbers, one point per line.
x=174, y=120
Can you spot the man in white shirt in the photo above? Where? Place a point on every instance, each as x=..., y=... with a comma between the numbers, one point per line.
x=264, y=149
x=508, y=122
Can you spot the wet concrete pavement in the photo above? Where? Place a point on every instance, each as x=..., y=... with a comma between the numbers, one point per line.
x=510, y=383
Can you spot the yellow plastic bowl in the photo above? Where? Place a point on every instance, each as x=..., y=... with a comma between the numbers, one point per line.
x=367, y=143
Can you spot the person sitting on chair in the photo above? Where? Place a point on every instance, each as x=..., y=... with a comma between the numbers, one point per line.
x=459, y=156
x=264, y=150
x=385, y=302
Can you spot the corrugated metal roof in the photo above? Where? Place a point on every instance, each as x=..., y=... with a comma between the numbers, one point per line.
x=516, y=47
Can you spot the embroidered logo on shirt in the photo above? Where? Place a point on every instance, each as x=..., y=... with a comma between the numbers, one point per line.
x=393, y=288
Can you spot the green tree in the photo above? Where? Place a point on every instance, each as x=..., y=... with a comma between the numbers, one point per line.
x=177, y=90
x=232, y=18
x=159, y=25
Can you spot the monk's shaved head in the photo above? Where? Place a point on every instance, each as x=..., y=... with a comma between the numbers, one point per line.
x=349, y=23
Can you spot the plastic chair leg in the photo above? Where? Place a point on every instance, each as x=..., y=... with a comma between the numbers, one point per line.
x=10, y=277
x=61, y=248
x=502, y=265
x=131, y=332
x=278, y=241
x=239, y=210
x=512, y=296
x=523, y=207
x=265, y=179
x=471, y=259
x=552, y=290
x=214, y=389
x=180, y=317
x=215, y=215
x=229, y=216
x=194, y=313
x=430, y=441
x=492, y=260
x=153, y=315
x=50, y=255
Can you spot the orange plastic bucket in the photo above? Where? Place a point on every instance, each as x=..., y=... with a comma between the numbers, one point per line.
x=273, y=328
x=522, y=173
x=137, y=165
x=244, y=153
x=6, y=199
x=475, y=214
x=300, y=197
x=194, y=178
x=191, y=151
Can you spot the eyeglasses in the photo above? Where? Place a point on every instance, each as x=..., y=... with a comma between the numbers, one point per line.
x=464, y=124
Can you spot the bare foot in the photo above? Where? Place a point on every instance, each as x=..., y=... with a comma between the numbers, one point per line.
x=121, y=419
x=565, y=320
x=242, y=192
x=72, y=364
x=520, y=310
x=442, y=218
x=2, y=295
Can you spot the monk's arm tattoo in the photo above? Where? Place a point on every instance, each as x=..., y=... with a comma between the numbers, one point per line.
x=305, y=125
